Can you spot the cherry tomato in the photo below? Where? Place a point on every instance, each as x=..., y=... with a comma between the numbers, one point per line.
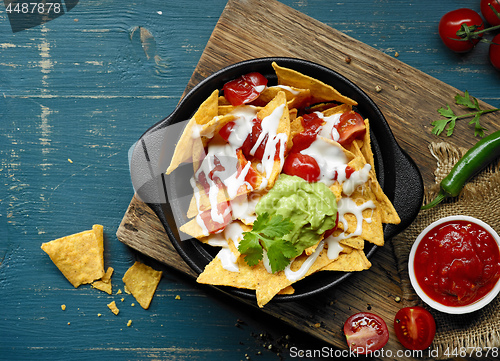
x=303, y=166
x=245, y=88
x=452, y=22
x=365, y=332
x=415, y=327
x=350, y=126
x=495, y=51
x=488, y=13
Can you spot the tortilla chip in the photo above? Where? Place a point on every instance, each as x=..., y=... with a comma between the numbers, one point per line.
x=388, y=212
x=349, y=262
x=289, y=290
x=343, y=108
x=142, y=281
x=320, y=92
x=366, y=148
x=190, y=143
x=270, y=284
x=372, y=229
x=353, y=242
x=79, y=256
x=215, y=274
x=296, y=98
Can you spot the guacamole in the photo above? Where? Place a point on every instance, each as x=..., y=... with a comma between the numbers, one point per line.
x=311, y=207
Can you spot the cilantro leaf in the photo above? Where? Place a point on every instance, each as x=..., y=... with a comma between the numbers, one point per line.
x=251, y=248
x=279, y=253
x=266, y=234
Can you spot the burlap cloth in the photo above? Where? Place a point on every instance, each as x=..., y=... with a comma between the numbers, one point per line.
x=480, y=198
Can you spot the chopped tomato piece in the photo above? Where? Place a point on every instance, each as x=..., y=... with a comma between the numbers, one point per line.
x=213, y=226
x=350, y=126
x=226, y=130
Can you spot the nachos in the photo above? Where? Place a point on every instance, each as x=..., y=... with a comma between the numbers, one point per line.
x=284, y=183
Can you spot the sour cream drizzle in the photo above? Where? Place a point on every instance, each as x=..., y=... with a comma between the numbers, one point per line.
x=356, y=179
x=270, y=126
x=347, y=205
x=330, y=158
x=302, y=271
x=228, y=259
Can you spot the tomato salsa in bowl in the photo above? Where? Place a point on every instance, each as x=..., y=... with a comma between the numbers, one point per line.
x=454, y=264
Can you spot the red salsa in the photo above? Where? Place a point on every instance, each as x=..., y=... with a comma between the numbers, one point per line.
x=457, y=263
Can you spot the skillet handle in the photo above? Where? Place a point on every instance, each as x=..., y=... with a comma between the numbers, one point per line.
x=409, y=192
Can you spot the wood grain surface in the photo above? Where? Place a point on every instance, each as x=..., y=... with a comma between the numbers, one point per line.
x=408, y=100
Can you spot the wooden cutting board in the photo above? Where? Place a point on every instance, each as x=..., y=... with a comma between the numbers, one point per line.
x=409, y=98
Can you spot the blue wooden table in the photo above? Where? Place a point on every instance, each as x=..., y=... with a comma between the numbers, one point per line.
x=75, y=93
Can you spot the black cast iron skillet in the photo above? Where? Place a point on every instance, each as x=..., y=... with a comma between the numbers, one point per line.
x=169, y=196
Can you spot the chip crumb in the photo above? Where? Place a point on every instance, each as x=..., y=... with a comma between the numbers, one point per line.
x=104, y=284
x=132, y=304
x=113, y=308
x=69, y=323
x=99, y=315
x=122, y=299
x=396, y=87
x=69, y=160
x=129, y=323
x=63, y=307
x=397, y=299
x=378, y=88
x=317, y=325
x=119, y=292
x=396, y=54
x=177, y=297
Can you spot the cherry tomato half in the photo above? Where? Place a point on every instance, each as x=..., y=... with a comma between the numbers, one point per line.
x=245, y=88
x=488, y=13
x=303, y=166
x=452, y=21
x=415, y=327
x=365, y=332
x=350, y=126
x=495, y=51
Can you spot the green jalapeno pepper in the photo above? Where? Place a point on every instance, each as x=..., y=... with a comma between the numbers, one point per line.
x=476, y=158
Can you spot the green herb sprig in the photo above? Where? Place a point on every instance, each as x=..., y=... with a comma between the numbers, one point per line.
x=267, y=234
x=449, y=122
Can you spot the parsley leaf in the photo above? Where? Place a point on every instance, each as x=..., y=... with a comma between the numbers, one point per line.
x=467, y=100
x=450, y=118
x=440, y=125
x=266, y=234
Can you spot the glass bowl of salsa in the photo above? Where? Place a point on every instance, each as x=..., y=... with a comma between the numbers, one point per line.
x=454, y=264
